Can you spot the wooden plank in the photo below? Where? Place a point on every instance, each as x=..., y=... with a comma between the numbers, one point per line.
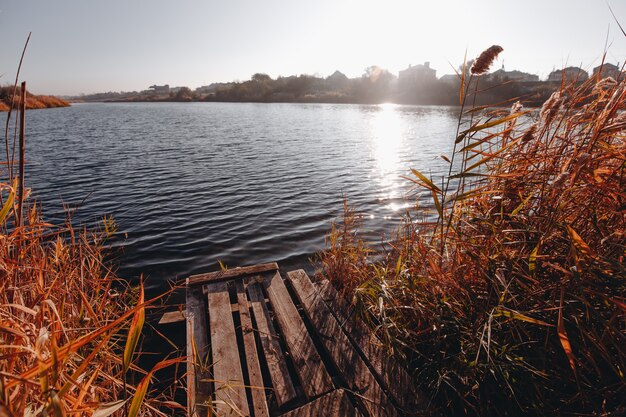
x=191, y=372
x=284, y=390
x=230, y=393
x=394, y=377
x=198, y=371
x=231, y=273
x=172, y=317
x=259, y=401
x=333, y=404
x=345, y=357
x=314, y=378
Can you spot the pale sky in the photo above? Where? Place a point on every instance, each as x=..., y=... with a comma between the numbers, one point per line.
x=87, y=46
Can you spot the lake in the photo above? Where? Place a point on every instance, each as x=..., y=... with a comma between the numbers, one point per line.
x=193, y=183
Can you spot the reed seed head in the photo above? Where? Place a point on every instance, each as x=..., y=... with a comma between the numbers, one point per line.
x=551, y=107
x=530, y=133
x=484, y=61
x=517, y=107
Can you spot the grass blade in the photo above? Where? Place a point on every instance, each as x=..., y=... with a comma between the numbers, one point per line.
x=488, y=125
x=8, y=204
x=429, y=184
x=134, y=332
x=105, y=410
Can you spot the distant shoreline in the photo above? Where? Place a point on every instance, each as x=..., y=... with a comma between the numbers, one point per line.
x=529, y=103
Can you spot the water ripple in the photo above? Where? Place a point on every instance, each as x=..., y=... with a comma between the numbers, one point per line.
x=191, y=184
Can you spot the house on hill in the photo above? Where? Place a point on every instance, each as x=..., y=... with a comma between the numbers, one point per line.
x=501, y=76
x=213, y=88
x=417, y=74
x=607, y=70
x=450, y=78
x=160, y=89
x=569, y=75
x=176, y=89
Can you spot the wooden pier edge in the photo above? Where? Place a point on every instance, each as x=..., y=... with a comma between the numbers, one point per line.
x=230, y=274
x=273, y=345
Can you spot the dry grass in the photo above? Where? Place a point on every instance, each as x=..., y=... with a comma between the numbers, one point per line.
x=66, y=319
x=8, y=100
x=513, y=302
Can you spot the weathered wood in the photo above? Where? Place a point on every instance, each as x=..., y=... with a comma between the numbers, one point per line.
x=363, y=365
x=314, y=378
x=230, y=392
x=172, y=317
x=346, y=358
x=259, y=401
x=198, y=372
x=284, y=390
x=191, y=372
x=333, y=404
x=394, y=377
x=231, y=273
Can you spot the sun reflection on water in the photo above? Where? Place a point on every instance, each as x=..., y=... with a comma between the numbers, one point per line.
x=388, y=130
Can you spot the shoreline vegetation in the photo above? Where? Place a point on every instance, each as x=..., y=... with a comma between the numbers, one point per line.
x=512, y=301
x=415, y=85
x=71, y=330
x=33, y=102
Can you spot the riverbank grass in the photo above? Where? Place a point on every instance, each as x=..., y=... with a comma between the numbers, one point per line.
x=70, y=329
x=512, y=300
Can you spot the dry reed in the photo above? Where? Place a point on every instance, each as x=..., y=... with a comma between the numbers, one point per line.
x=513, y=303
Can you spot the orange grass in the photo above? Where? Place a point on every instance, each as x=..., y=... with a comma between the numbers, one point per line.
x=66, y=319
x=513, y=302
x=32, y=101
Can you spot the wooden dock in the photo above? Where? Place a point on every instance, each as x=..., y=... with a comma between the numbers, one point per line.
x=263, y=344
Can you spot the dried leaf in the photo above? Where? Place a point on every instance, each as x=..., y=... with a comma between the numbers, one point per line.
x=567, y=347
x=521, y=206
x=487, y=125
x=142, y=388
x=579, y=244
x=532, y=260
x=429, y=184
x=8, y=204
x=105, y=410
x=437, y=204
x=519, y=316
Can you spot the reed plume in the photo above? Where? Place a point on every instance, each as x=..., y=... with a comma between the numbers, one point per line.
x=484, y=61
x=551, y=107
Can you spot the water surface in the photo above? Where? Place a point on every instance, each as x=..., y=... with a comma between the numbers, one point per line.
x=193, y=183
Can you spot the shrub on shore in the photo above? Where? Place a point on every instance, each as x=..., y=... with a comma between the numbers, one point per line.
x=513, y=301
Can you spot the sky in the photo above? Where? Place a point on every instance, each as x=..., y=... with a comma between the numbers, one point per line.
x=87, y=46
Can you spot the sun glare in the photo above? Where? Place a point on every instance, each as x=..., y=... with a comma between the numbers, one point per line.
x=387, y=139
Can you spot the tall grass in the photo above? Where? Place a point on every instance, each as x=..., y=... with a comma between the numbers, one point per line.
x=69, y=327
x=513, y=301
